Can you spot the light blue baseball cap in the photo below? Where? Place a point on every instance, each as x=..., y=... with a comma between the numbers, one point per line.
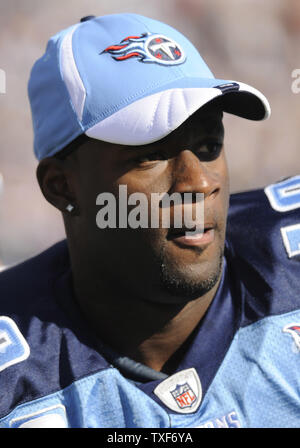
x=125, y=79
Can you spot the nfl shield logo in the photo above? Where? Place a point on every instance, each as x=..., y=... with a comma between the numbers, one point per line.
x=181, y=392
x=183, y=395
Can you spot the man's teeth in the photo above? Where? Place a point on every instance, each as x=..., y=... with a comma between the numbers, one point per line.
x=193, y=234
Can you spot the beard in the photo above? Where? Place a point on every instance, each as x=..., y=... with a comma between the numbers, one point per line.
x=179, y=284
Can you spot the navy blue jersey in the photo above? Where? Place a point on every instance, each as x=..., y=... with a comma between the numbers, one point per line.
x=239, y=368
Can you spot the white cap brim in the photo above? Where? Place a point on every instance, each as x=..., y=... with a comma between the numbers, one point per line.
x=151, y=118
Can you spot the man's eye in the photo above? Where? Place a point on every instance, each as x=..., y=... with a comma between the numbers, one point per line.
x=150, y=157
x=209, y=151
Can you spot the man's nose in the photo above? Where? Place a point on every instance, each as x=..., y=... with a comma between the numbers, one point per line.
x=190, y=175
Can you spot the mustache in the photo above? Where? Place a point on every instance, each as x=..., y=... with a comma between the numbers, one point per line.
x=184, y=211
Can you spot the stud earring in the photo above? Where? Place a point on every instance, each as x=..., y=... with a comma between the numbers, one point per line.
x=70, y=208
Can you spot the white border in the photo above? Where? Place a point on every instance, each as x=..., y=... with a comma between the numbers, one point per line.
x=286, y=242
x=285, y=193
x=70, y=74
x=38, y=413
x=246, y=88
x=270, y=195
x=22, y=341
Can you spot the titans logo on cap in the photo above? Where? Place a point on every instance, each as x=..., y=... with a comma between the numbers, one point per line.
x=148, y=48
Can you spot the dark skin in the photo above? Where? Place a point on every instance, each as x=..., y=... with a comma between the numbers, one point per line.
x=141, y=282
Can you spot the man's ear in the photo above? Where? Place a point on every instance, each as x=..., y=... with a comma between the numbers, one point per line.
x=55, y=183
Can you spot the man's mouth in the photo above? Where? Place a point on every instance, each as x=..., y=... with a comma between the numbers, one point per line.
x=192, y=237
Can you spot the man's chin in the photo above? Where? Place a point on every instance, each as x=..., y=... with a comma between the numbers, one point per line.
x=187, y=285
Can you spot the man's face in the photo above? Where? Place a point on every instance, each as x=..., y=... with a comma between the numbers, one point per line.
x=159, y=264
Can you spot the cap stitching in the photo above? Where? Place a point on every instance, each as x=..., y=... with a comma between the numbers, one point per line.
x=125, y=102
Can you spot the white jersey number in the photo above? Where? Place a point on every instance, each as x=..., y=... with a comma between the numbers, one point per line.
x=285, y=196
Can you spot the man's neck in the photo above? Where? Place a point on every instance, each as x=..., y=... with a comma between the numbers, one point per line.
x=148, y=332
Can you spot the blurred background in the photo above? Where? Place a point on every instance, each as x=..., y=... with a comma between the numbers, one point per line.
x=253, y=41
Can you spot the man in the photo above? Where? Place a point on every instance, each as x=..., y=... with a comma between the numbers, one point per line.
x=149, y=326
